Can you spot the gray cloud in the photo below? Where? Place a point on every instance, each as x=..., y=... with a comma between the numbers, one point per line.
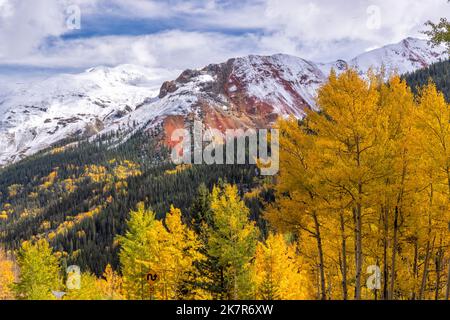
x=322, y=30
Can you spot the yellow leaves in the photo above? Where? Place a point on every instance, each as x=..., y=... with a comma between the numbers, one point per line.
x=49, y=180
x=95, y=173
x=177, y=250
x=434, y=128
x=111, y=284
x=61, y=254
x=69, y=185
x=179, y=169
x=253, y=194
x=6, y=212
x=109, y=287
x=76, y=254
x=14, y=190
x=7, y=277
x=373, y=154
x=30, y=212
x=278, y=273
x=116, y=243
x=57, y=150
x=71, y=222
x=121, y=187
x=181, y=237
x=126, y=169
x=115, y=176
x=51, y=236
x=81, y=234
x=45, y=225
x=64, y=227
x=168, y=247
x=232, y=239
x=39, y=271
x=91, y=288
x=351, y=102
x=33, y=195
x=3, y=215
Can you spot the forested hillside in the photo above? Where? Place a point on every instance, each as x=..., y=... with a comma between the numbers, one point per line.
x=438, y=72
x=78, y=197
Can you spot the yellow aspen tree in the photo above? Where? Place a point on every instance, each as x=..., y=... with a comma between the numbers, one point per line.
x=433, y=121
x=179, y=251
x=91, y=288
x=112, y=284
x=232, y=241
x=137, y=246
x=6, y=277
x=433, y=124
x=278, y=273
x=39, y=271
x=349, y=133
x=396, y=183
x=299, y=190
x=168, y=248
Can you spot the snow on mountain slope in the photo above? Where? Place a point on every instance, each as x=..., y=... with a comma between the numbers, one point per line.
x=406, y=56
x=37, y=115
x=251, y=92
x=245, y=92
x=285, y=82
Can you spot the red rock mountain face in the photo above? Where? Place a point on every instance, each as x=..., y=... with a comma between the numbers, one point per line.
x=249, y=92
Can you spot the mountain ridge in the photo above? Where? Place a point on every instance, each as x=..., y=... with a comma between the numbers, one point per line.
x=243, y=92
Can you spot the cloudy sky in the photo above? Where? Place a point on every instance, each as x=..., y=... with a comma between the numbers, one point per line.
x=44, y=36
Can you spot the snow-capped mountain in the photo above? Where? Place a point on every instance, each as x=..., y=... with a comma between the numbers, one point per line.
x=240, y=93
x=37, y=115
x=407, y=56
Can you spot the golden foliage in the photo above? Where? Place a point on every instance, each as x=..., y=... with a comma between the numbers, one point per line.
x=6, y=277
x=366, y=182
x=278, y=271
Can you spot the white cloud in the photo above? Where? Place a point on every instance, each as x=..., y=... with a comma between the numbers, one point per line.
x=321, y=30
x=326, y=28
x=172, y=49
x=24, y=24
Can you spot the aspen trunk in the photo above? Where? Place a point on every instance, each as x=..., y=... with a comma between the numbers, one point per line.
x=438, y=259
x=438, y=265
x=344, y=259
x=358, y=228
x=323, y=295
x=358, y=251
x=415, y=267
x=447, y=293
x=235, y=286
x=425, y=270
x=385, y=258
x=428, y=250
x=394, y=255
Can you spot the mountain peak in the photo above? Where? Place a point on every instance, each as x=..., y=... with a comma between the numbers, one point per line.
x=245, y=92
x=405, y=56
